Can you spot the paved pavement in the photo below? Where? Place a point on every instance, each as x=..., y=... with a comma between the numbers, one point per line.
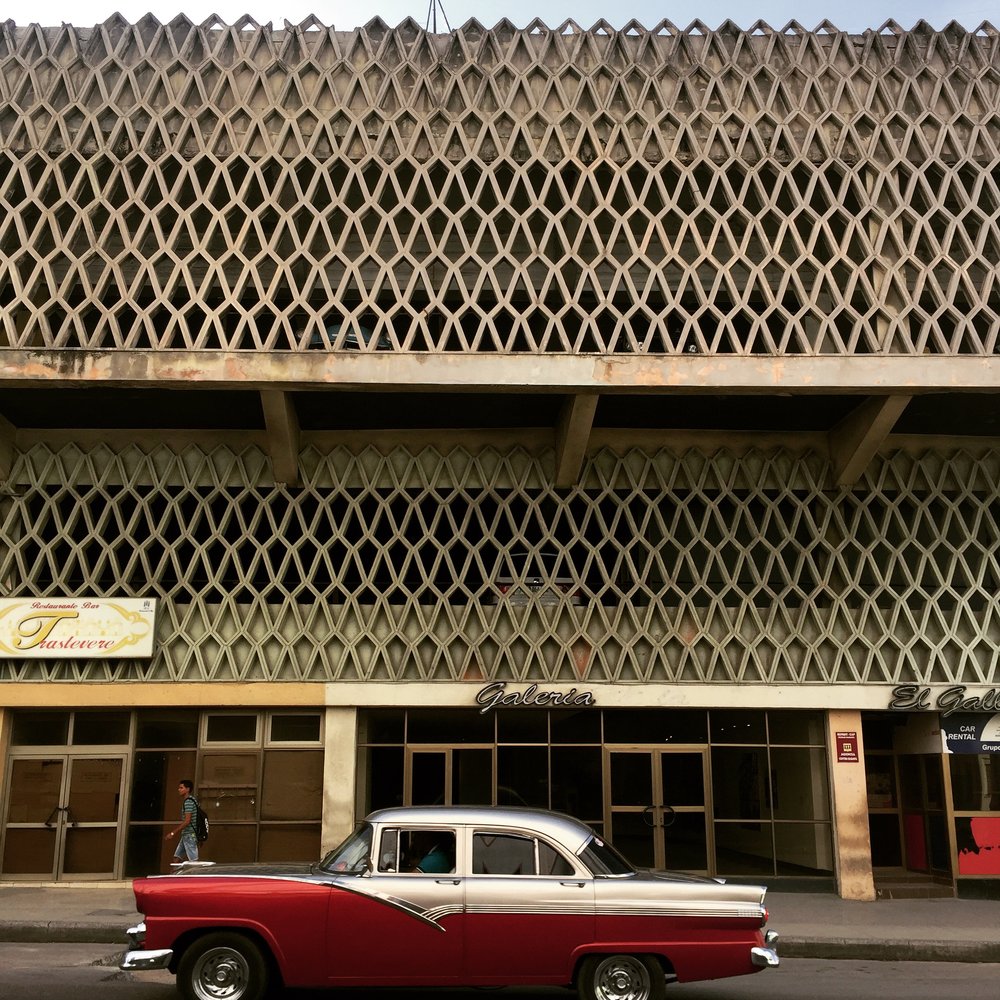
x=811, y=925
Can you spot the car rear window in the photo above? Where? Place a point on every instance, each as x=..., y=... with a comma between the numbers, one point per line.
x=512, y=854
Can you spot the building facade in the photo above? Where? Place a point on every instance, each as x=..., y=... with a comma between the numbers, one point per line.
x=604, y=420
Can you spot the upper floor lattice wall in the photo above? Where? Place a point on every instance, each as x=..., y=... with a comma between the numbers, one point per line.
x=500, y=190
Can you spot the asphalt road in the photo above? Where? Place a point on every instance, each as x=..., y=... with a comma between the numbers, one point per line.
x=68, y=971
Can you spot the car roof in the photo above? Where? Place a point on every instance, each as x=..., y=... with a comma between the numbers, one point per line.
x=566, y=830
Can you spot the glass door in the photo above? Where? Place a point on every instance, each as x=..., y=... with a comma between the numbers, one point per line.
x=656, y=812
x=62, y=817
x=925, y=834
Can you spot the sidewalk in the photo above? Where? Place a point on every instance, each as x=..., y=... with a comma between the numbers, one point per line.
x=811, y=925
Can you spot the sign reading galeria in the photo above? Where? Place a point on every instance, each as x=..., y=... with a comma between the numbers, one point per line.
x=90, y=628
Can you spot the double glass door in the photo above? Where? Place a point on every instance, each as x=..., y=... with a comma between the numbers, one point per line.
x=655, y=811
x=63, y=813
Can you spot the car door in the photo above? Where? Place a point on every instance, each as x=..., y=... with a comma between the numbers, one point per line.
x=403, y=922
x=528, y=907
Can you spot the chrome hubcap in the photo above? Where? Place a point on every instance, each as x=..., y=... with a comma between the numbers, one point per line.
x=221, y=974
x=622, y=978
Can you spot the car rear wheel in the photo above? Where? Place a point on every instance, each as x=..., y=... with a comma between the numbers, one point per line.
x=222, y=967
x=621, y=977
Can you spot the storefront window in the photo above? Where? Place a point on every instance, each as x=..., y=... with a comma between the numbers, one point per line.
x=975, y=782
x=738, y=727
x=167, y=728
x=384, y=726
x=428, y=726
x=739, y=784
x=101, y=728
x=576, y=782
x=263, y=804
x=298, y=728
x=231, y=729
x=521, y=776
x=523, y=727
x=655, y=726
x=381, y=781
x=651, y=780
x=796, y=728
x=799, y=786
x=575, y=727
x=40, y=729
x=975, y=785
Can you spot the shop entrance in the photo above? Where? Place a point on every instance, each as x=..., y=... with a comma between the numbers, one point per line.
x=656, y=811
x=907, y=805
x=63, y=813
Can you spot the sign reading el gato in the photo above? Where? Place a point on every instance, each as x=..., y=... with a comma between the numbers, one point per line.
x=914, y=698
x=77, y=628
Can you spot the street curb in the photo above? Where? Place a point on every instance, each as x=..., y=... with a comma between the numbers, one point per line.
x=889, y=950
x=62, y=932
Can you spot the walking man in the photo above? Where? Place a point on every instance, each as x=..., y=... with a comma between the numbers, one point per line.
x=187, y=841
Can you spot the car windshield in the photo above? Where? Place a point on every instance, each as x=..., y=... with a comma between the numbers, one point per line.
x=353, y=854
x=602, y=859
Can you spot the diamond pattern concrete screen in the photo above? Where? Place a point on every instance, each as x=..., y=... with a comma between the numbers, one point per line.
x=180, y=186
x=383, y=565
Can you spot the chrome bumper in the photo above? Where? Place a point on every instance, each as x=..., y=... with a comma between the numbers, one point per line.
x=766, y=957
x=138, y=960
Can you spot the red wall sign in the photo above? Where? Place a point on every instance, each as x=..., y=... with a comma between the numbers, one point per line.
x=847, y=748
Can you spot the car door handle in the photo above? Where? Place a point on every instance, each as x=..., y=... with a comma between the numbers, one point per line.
x=579, y=885
x=447, y=881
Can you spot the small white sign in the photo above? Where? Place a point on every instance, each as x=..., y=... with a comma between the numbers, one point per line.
x=77, y=628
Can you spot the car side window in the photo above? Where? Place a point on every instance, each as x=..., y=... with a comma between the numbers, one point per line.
x=551, y=862
x=512, y=854
x=425, y=852
x=388, y=851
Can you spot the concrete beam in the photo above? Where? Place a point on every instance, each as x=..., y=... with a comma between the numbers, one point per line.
x=578, y=373
x=282, y=435
x=856, y=439
x=572, y=436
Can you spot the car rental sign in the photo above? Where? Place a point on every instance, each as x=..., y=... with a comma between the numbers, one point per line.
x=77, y=628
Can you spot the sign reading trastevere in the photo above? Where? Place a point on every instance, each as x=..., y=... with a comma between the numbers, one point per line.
x=76, y=627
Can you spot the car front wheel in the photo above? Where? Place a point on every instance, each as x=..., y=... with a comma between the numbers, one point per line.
x=621, y=977
x=222, y=967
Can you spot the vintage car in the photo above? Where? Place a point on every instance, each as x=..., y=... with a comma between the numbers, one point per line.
x=449, y=896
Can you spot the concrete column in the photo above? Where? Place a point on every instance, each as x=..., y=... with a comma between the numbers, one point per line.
x=851, y=841
x=339, y=771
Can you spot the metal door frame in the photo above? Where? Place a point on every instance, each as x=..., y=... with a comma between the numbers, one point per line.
x=62, y=822
x=655, y=754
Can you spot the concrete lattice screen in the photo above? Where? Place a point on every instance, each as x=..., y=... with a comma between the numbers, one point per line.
x=685, y=568
x=243, y=187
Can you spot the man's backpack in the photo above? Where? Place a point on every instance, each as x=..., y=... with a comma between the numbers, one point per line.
x=200, y=823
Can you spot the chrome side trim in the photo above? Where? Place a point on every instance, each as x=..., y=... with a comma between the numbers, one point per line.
x=140, y=961
x=765, y=958
x=429, y=917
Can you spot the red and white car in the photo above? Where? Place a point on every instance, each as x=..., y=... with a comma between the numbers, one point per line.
x=449, y=896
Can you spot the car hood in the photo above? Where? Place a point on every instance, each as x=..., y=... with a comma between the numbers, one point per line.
x=301, y=869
